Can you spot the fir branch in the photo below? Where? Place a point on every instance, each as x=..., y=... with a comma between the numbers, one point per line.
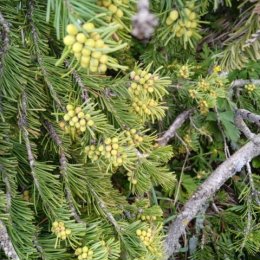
x=178, y=122
x=77, y=78
x=207, y=189
x=254, y=37
x=6, y=244
x=8, y=193
x=238, y=83
x=254, y=192
x=143, y=22
x=226, y=149
x=22, y=125
x=36, y=39
x=5, y=40
x=63, y=169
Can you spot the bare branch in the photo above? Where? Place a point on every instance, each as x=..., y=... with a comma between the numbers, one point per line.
x=218, y=177
x=8, y=193
x=63, y=169
x=247, y=115
x=6, y=244
x=143, y=22
x=178, y=122
x=79, y=81
x=241, y=125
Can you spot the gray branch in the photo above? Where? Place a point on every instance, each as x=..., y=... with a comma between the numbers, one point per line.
x=247, y=115
x=6, y=244
x=218, y=177
x=39, y=57
x=8, y=193
x=63, y=169
x=178, y=122
x=241, y=125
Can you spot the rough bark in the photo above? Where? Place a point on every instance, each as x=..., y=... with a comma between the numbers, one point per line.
x=218, y=177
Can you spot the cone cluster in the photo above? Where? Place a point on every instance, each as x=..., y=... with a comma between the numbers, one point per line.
x=115, y=7
x=76, y=120
x=84, y=253
x=59, y=229
x=184, y=72
x=26, y=195
x=250, y=87
x=110, y=150
x=131, y=178
x=146, y=217
x=184, y=24
x=87, y=47
x=142, y=88
x=134, y=138
x=145, y=236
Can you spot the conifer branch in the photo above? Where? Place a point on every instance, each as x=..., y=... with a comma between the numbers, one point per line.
x=207, y=189
x=254, y=192
x=226, y=149
x=22, y=125
x=178, y=122
x=238, y=83
x=5, y=40
x=6, y=244
x=63, y=169
x=38, y=54
x=8, y=193
x=79, y=81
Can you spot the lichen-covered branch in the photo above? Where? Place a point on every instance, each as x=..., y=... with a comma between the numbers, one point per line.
x=39, y=55
x=144, y=22
x=178, y=122
x=6, y=244
x=247, y=115
x=63, y=169
x=217, y=178
x=241, y=125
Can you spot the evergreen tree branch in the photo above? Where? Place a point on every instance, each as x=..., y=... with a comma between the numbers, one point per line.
x=178, y=122
x=36, y=39
x=77, y=78
x=5, y=40
x=63, y=169
x=226, y=149
x=22, y=125
x=254, y=192
x=6, y=244
x=241, y=83
x=8, y=193
x=218, y=177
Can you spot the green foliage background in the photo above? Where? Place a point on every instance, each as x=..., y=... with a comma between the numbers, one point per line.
x=46, y=175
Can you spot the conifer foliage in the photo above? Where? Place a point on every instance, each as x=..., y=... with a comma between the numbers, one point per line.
x=91, y=166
